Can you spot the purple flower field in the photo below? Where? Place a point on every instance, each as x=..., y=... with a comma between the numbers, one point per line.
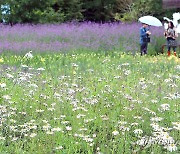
x=68, y=37
x=94, y=99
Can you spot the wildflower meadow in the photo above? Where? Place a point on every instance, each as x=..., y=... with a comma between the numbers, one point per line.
x=86, y=90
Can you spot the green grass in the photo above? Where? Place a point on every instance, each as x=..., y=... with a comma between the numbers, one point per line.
x=88, y=96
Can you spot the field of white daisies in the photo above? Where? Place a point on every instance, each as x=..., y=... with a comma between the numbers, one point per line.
x=89, y=103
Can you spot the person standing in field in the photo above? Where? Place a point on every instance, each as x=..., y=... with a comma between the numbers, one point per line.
x=171, y=36
x=144, y=38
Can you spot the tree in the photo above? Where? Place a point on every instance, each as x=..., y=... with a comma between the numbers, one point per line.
x=28, y=11
x=72, y=9
x=152, y=7
x=53, y=11
x=124, y=10
x=98, y=10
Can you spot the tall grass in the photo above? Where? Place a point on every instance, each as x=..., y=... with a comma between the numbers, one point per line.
x=89, y=103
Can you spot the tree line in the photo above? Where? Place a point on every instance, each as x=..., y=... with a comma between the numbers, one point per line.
x=57, y=11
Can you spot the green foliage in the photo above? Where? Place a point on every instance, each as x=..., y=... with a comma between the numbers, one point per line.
x=152, y=7
x=126, y=17
x=137, y=8
x=72, y=9
x=99, y=10
x=50, y=11
x=43, y=11
x=50, y=16
x=23, y=11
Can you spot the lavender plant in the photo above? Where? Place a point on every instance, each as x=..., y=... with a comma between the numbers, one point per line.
x=72, y=36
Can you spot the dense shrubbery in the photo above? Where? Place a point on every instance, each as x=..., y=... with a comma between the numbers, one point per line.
x=51, y=11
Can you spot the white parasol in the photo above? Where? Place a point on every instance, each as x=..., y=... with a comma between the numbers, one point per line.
x=150, y=20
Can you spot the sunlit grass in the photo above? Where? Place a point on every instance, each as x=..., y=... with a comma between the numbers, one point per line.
x=89, y=103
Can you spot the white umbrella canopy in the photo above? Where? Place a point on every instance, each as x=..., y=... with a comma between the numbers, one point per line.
x=150, y=20
x=176, y=18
